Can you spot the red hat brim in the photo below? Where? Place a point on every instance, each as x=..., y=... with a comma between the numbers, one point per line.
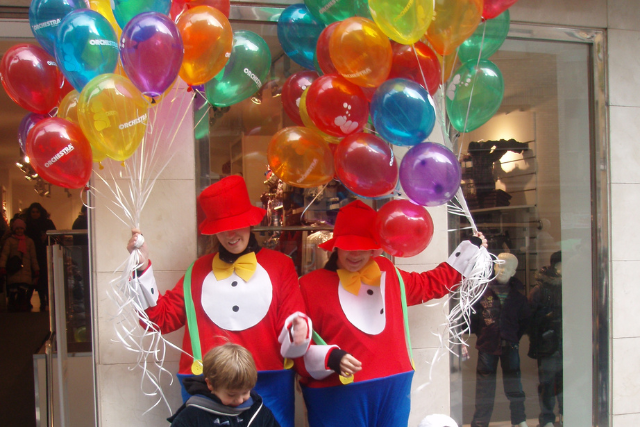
x=247, y=219
x=350, y=243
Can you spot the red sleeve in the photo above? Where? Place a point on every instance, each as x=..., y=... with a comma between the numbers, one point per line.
x=431, y=284
x=289, y=298
x=169, y=314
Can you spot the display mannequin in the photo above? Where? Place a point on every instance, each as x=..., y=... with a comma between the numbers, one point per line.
x=501, y=318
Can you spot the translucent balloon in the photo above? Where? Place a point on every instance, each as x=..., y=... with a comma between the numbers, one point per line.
x=245, y=72
x=103, y=7
x=361, y=52
x=487, y=38
x=430, y=174
x=125, y=10
x=300, y=157
x=323, y=57
x=60, y=153
x=455, y=21
x=68, y=108
x=335, y=10
x=304, y=116
x=298, y=32
x=366, y=165
x=113, y=115
x=46, y=15
x=403, y=228
x=340, y=108
x=66, y=88
x=86, y=46
x=292, y=91
x=31, y=78
x=207, y=38
x=179, y=6
x=151, y=51
x=474, y=94
x=418, y=63
x=493, y=8
x=26, y=124
x=403, y=112
x=404, y=22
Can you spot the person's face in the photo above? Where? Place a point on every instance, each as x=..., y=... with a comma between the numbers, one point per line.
x=18, y=231
x=35, y=213
x=231, y=398
x=558, y=268
x=235, y=241
x=353, y=260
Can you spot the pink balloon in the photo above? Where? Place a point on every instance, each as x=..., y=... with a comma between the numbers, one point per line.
x=493, y=8
x=366, y=165
x=402, y=228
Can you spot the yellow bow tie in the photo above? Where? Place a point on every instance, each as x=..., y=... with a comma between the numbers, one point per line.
x=244, y=267
x=351, y=281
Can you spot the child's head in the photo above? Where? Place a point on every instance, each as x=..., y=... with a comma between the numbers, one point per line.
x=230, y=373
x=438, y=420
x=353, y=236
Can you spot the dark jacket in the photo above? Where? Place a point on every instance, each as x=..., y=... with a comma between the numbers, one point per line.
x=545, y=300
x=204, y=409
x=494, y=322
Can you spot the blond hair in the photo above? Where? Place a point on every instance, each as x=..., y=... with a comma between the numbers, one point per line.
x=230, y=366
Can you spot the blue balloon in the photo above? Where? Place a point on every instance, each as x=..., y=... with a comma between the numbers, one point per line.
x=298, y=32
x=86, y=46
x=45, y=16
x=403, y=112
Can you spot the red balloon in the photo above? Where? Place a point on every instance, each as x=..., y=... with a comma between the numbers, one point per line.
x=493, y=8
x=366, y=165
x=337, y=106
x=65, y=89
x=60, y=152
x=322, y=50
x=292, y=91
x=424, y=70
x=179, y=6
x=31, y=78
x=402, y=228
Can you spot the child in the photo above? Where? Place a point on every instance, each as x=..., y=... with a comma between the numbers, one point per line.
x=356, y=303
x=243, y=294
x=438, y=420
x=19, y=262
x=222, y=395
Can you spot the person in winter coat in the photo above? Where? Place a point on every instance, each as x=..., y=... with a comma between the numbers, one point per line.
x=38, y=223
x=545, y=334
x=19, y=263
x=244, y=294
x=223, y=395
x=358, y=306
x=501, y=318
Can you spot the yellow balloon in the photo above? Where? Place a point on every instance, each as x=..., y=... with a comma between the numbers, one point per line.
x=304, y=115
x=68, y=108
x=404, y=22
x=113, y=115
x=300, y=157
x=103, y=7
x=455, y=21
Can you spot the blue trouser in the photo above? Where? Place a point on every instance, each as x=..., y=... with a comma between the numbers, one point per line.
x=277, y=391
x=383, y=402
x=550, y=386
x=486, y=385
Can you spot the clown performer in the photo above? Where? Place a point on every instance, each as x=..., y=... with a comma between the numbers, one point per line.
x=242, y=294
x=357, y=303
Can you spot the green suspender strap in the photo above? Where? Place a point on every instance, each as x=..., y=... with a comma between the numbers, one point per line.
x=192, y=324
x=405, y=315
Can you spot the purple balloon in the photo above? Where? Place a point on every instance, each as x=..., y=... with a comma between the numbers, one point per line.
x=26, y=124
x=151, y=51
x=430, y=174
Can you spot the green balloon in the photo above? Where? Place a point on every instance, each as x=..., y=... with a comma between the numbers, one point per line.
x=245, y=72
x=474, y=94
x=495, y=32
x=124, y=10
x=328, y=11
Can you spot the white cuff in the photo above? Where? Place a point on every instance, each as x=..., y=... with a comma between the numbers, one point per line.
x=146, y=289
x=315, y=361
x=463, y=258
x=288, y=349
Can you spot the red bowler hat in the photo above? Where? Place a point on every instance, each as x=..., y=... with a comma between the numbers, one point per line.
x=227, y=206
x=354, y=229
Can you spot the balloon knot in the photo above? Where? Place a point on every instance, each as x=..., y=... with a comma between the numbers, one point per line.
x=122, y=163
x=190, y=88
x=100, y=165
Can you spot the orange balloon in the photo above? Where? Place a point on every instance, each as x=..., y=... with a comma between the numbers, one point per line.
x=207, y=37
x=361, y=52
x=300, y=157
x=449, y=64
x=455, y=21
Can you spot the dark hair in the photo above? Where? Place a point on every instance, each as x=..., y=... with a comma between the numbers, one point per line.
x=43, y=212
x=556, y=257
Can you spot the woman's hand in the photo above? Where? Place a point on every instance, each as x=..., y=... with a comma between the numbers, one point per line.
x=300, y=330
x=143, y=251
x=479, y=235
x=349, y=365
